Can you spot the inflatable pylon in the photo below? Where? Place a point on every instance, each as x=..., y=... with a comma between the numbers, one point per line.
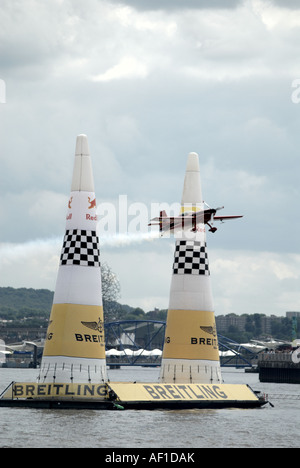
x=74, y=349
x=191, y=353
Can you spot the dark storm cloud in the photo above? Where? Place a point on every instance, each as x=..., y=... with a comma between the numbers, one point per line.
x=293, y=4
x=178, y=4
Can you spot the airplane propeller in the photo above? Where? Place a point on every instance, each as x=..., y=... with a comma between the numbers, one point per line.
x=214, y=210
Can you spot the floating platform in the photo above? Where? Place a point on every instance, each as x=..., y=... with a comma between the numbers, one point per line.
x=75, y=343
x=128, y=395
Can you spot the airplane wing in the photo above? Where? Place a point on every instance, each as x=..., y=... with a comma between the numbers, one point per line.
x=189, y=220
x=166, y=221
x=225, y=218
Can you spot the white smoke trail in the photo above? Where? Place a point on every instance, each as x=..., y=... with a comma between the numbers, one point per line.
x=16, y=252
x=128, y=238
x=23, y=251
x=35, y=263
x=30, y=264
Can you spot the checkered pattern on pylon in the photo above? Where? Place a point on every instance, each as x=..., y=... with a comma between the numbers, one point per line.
x=190, y=258
x=80, y=247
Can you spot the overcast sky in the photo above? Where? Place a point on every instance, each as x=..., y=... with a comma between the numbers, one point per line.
x=149, y=81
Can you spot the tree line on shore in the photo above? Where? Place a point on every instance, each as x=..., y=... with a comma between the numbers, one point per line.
x=25, y=308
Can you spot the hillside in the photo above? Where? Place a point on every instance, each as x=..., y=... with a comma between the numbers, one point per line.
x=18, y=302
x=24, y=313
x=25, y=309
x=35, y=298
x=21, y=303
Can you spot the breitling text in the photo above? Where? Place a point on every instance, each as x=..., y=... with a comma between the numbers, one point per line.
x=89, y=338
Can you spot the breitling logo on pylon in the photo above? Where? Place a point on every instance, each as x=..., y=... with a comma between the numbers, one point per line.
x=94, y=325
x=210, y=330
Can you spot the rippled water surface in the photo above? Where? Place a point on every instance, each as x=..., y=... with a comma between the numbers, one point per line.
x=262, y=427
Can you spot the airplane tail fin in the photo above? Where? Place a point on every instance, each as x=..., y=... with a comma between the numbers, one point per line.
x=158, y=220
x=162, y=214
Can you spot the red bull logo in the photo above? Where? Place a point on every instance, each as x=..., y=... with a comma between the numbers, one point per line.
x=92, y=203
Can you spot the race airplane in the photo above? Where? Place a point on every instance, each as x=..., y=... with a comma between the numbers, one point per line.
x=189, y=220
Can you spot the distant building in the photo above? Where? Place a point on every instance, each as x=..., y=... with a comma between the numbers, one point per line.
x=292, y=314
x=226, y=323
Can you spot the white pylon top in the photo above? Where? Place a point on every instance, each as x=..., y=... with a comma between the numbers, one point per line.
x=192, y=193
x=82, y=174
x=192, y=164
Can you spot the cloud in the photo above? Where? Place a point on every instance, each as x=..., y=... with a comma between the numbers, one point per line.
x=149, y=85
x=254, y=282
x=31, y=214
x=293, y=4
x=129, y=67
x=32, y=264
x=178, y=4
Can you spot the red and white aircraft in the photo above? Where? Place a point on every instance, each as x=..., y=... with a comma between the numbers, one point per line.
x=189, y=220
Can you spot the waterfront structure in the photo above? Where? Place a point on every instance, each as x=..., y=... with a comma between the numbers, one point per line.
x=279, y=368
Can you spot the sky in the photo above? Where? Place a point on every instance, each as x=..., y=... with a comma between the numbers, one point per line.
x=149, y=82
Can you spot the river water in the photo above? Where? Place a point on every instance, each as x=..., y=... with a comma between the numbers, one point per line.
x=231, y=428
